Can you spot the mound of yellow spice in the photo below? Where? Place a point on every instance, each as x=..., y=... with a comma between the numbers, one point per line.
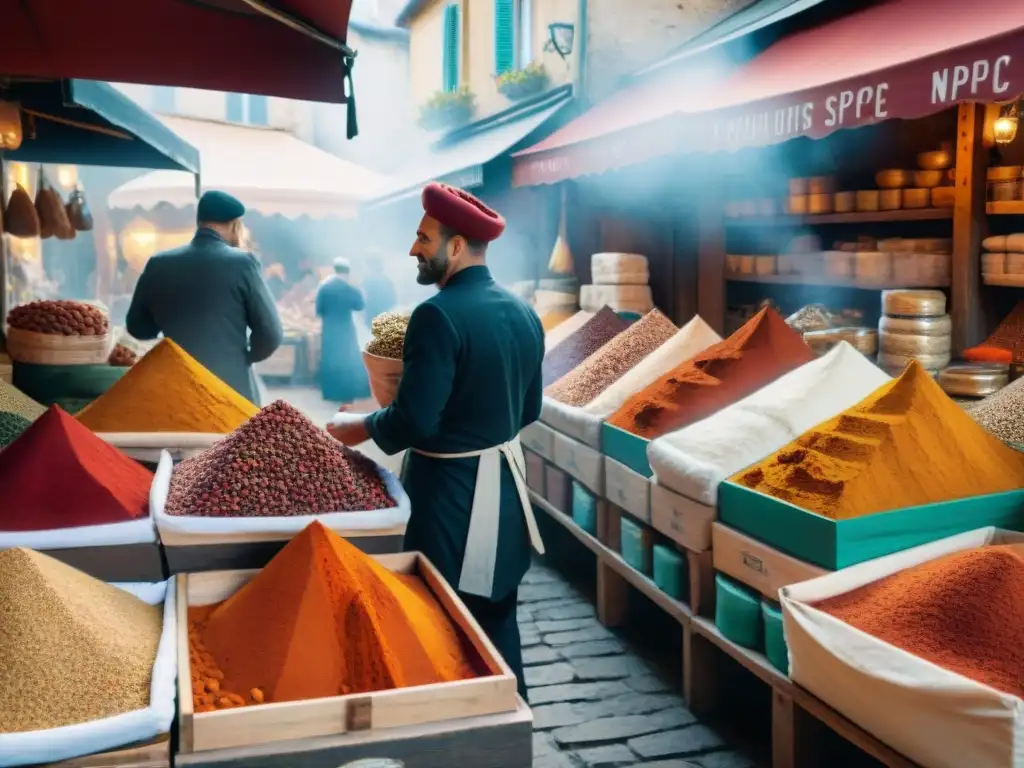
x=904, y=445
x=72, y=649
x=321, y=619
x=168, y=391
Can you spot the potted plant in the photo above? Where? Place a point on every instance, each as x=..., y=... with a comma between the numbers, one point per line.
x=521, y=83
x=448, y=109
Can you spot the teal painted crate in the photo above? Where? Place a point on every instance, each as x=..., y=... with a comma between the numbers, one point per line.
x=738, y=613
x=635, y=543
x=584, y=508
x=774, y=637
x=836, y=544
x=670, y=571
x=626, y=448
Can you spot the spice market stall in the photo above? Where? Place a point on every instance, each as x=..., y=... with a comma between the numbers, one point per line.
x=422, y=683
x=895, y=242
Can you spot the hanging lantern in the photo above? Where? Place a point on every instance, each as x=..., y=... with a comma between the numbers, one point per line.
x=10, y=126
x=1004, y=129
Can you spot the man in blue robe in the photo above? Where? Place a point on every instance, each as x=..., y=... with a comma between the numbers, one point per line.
x=342, y=375
x=471, y=381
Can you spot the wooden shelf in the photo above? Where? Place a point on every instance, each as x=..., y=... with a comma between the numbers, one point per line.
x=1005, y=281
x=833, y=282
x=863, y=217
x=1010, y=208
x=674, y=608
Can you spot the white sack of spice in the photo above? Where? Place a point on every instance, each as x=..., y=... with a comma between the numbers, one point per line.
x=70, y=741
x=584, y=423
x=693, y=461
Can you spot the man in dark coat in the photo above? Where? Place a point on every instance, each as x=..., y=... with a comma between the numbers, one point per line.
x=210, y=298
x=471, y=381
x=342, y=375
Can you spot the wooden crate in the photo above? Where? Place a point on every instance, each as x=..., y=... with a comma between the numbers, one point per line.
x=352, y=721
x=156, y=754
x=756, y=564
x=490, y=741
x=118, y=562
x=195, y=553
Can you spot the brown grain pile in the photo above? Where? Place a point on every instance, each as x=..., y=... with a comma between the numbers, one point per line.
x=963, y=612
x=65, y=318
x=594, y=334
x=72, y=649
x=276, y=464
x=613, y=360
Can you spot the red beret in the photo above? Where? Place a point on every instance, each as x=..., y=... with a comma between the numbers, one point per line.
x=462, y=213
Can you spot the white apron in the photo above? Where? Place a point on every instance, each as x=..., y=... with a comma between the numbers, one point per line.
x=477, y=577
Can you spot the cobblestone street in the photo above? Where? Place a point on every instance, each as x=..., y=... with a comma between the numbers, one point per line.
x=596, y=703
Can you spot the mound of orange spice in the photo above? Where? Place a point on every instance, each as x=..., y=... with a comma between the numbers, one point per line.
x=321, y=619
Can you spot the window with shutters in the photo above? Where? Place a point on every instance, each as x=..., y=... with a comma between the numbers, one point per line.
x=513, y=35
x=246, y=109
x=450, y=48
x=524, y=33
x=164, y=100
x=234, y=108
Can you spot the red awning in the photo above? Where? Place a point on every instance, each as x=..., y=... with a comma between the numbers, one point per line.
x=898, y=59
x=221, y=45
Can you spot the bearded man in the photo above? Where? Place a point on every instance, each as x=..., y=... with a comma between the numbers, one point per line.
x=471, y=381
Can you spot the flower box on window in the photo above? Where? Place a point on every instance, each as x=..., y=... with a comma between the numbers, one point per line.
x=448, y=110
x=521, y=83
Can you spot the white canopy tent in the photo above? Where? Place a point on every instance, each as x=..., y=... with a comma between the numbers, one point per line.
x=269, y=170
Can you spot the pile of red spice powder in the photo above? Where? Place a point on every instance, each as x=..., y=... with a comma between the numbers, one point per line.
x=761, y=351
x=963, y=612
x=58, y=474
x=276, y=464
x=1004, y=346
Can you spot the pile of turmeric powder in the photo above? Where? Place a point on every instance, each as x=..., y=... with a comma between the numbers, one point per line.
x=168, y=391
x=321, y=619
x=905, y=445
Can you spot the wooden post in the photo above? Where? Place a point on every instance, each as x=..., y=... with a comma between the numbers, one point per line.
x=969, y=227
x=612, y=595
x=711, y=260
x=701, y=684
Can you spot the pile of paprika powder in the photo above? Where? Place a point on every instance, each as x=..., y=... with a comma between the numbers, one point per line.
x=761, y=351
x=322, y=619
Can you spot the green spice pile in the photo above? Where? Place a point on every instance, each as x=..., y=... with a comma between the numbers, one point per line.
x=388, y=331
x=12, y=400
x=72, y=649
x=11, y=427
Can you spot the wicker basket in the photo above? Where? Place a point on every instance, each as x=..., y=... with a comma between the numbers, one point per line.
x=54, y=349
x=890, y=199
x=916, y=326
x=385, y=374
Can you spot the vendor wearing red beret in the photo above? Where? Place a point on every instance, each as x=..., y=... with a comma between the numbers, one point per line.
x=471, y=381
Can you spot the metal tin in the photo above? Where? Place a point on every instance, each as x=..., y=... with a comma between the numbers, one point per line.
x=908, y=345
x=973, y=379
x=910, y=303
x=936, y=362
x=916, y=326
